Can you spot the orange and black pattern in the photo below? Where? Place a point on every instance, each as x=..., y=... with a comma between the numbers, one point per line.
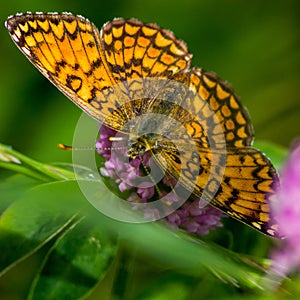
x=88, y=65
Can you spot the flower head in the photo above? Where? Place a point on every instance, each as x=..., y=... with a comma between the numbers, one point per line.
x=191, y=216
x=287, y=213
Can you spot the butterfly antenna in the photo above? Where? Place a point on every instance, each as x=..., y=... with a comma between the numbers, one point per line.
x=91, y=148
x=64, y=147
x=71, y=148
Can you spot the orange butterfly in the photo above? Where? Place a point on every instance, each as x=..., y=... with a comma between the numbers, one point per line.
x=88, y=65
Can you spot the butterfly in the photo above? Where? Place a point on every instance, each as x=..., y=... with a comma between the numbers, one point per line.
x=130, y=69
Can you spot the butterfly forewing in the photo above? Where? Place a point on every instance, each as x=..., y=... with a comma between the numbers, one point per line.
x=134, y=50
x=85, y=66
x=65, y=48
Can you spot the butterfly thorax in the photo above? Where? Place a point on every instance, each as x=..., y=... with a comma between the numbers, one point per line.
x=142, y=144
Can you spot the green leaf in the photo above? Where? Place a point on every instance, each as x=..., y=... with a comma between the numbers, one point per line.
x=12, y=188
x=77, y=261
x=178, y=250
x=32, y=221
x=170, y=286
x=191, y=256
x=49, y=209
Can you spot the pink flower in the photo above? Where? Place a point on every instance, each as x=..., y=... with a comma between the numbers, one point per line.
x=190, y=216
x=287, y=213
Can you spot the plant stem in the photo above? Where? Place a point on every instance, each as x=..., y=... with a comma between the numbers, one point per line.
x=13, y=160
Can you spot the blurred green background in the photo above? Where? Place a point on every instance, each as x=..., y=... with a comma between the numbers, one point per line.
x=254, y=45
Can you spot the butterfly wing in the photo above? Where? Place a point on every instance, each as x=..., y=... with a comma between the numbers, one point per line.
x=141, y=58
x=241, y=182
x=65, y=49
x=136, y=50
x=85, y=65
x=210, y=153
x=248, y=188
x=217, y=108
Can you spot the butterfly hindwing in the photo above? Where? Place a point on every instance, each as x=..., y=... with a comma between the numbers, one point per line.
x=241, y=182
x=217, y=108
